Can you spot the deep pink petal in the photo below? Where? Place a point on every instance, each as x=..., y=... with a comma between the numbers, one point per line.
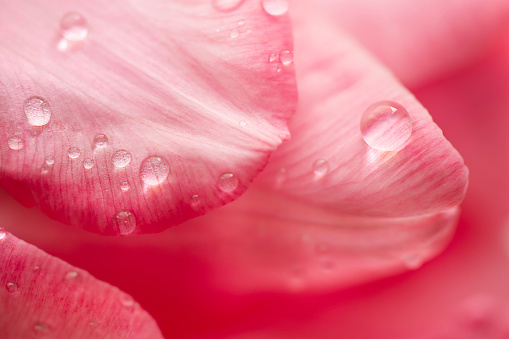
x=185, y=88
x=43, y=296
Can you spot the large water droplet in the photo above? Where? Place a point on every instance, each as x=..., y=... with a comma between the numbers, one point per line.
x=16, y=143
x=126, y=222
x=275, y=7
x=320, y=168
x=227, y=182
x=286, y=58
x=41, y=329
x=74, y=152
x=124, y=186
x=121, y=158
x=226, y=5
x=38, y=111
x=386, y=126
x=88, y=163
x=11, y=287
x=50, y=160
x=100, y=141
x=154, y=170
x=74, y=27
x=2, y=233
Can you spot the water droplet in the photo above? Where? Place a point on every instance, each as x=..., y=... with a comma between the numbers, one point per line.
x=36, y=269
x=11, y=287
x=320, y=168
x=126, y=222
x=243, y=123
x=154, y=170
x=272, y=57
x=127, y=301
x=195, y=200
x=71, y=275
x=100, y=141
x=38, y=111
x=45, y=168
x=413, y=261
x=121, y=158
x=286, y=58
x=74, y=152
x=240, y=22
x=226, y=5
x=124, y=186
x=16, y=143
x=227, y=182
x=2, y=233
x=386, y=126
x=93, y=323
x=74, y=27
x=50, y=160
x=88, y=163
x=234, y=33
x=275, y=7
x=279, y=69
x=41, y=329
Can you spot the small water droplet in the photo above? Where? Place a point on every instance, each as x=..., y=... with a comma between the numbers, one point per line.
x=272, y=57
x=234, y=33
x=36, y=269
x=195, y=200
x=275, y=7
x=227, y=182
x=45, y=168
x=88, y=163
x=100, y=141
x=93, y=323
x=16, y=143
x=279, y=69
x=50, y=160
x=11, y=287
x=124, y=186
x=240, y=22
x=71, y=275
x=74, y=152
x=154, y=170
x=320, y=168
x=37, y=111
x=226, y=5
x=74, y=27
x=126, y=222
x=41, y=329
x=121, y=158
x=286, y=58
x=127, y=301
x=2, y=233
x=243, y=123
x=413, y=261
x=386, y=126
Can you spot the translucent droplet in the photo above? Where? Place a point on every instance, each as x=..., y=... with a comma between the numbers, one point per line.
x=234, y=33
x=100, y=141
x=227, y=182
x=38, y=111
x=93, y=323
x=126, y=222
x=41, y=329
x=386, y=126
x=226, y=5
x=121, y=158
x=124, y=186
x=286, y=58
x=154, y=170
x=413, y=261
x=320, y=168
x=50, y=160
x=195, y=200
x=240, y=22
x=45, y=168
x=71, y=275
x=16, y=143
x=272, y=57
x=243, y=123
x=74, y=27
x=74, y=152
x=2, y=233
x=11, y=287
x=275, y=7
x=88, y=163
x=36, y=269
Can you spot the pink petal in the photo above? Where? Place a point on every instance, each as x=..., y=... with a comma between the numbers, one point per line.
x=421, y=40
x=186, y=88
x=42, y=296
x=338, y=81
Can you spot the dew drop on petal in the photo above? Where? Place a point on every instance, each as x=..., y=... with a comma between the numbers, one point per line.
x=227, y=182
x=240, y=22
x=2, y=233
x=386, y=126
x=41, y=329
x=154, y=170
x=195, y=200
x=100, y=141
x=272, y=57
x=126, y=222
x=50, y=160
x=242, y=123
x=413, y=261
x=286, y=58
x=37, y=111
x=74, y=152
x=124, y=186
x=88, y=163
x=93, y=323
x=320, y=168
x=16, y=143
x=234, y=34
x=11, y=287
x=74, y=27
x=121, y=158
x=45, y=168
x=71, y=275
x=275, y=7
x=226, y=5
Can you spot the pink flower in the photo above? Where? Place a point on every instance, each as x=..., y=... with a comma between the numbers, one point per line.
x=128, y=118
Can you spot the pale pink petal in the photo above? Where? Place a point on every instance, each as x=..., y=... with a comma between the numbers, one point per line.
x=186, y=88
x=42, y=296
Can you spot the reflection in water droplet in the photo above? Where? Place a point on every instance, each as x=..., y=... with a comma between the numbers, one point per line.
x=226, y=5
x=74, y=27
x=386, y=126
x=50, y=160
x=88, y=163
x=37, y=111
x=227, y=182
x=320, y=168
x=71, y=275
x=126, y=222
x=74, y=152
x=100, y=141
x=154, y=170
x=11, y=287
x=121, y=158
x=2, y=233
x=41, y=329
x=286, y=58
x=124, y=186
x=275, y=7
x=16, y=143
x=272, y=57
x=234, y=33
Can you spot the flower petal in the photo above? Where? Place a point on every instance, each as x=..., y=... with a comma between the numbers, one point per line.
x=119, y=117
x=327, y=162
x=41, y=295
